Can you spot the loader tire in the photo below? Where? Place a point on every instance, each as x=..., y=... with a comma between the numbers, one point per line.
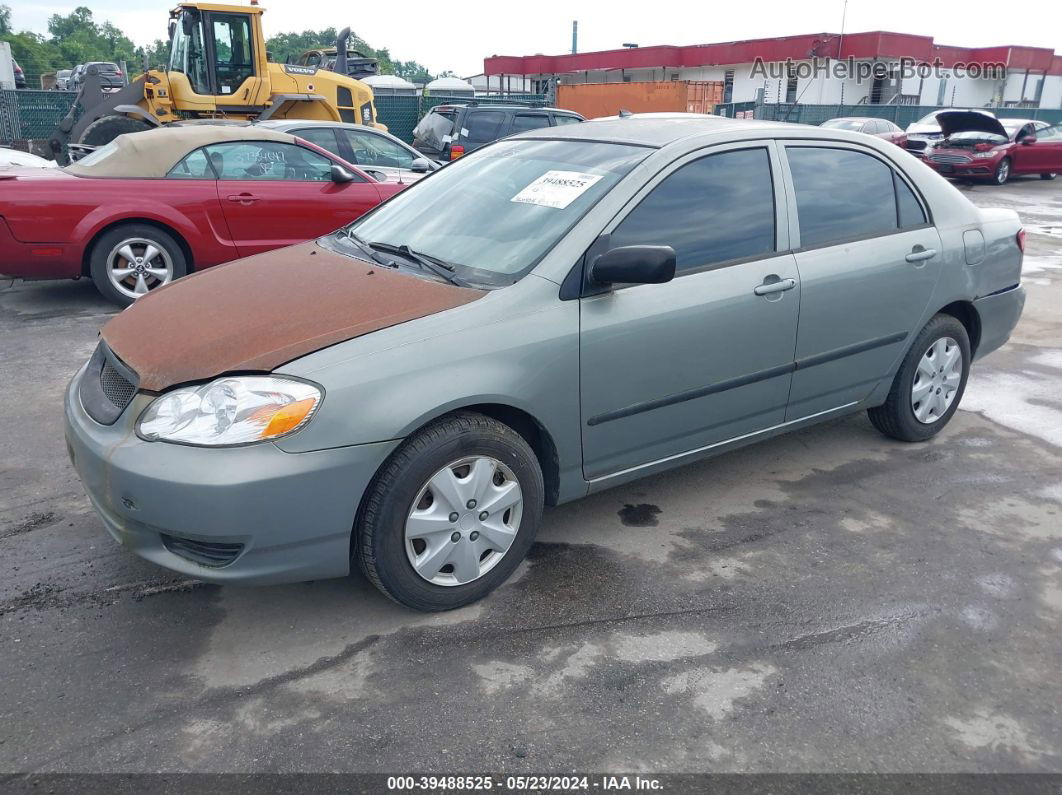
x=107, y=128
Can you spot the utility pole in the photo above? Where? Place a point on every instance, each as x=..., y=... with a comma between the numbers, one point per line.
x=575, y=36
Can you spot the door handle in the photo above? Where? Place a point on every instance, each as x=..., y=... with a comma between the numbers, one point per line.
x=780, y=286
x=921, y=255
x=244, y=198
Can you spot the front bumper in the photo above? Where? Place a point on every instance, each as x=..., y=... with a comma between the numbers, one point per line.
x=290, y=515
x=973, y=169
x=999, y=314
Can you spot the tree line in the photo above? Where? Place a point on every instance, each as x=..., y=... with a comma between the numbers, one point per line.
x=78, y=38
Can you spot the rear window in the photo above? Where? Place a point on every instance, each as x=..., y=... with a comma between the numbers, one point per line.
x=484, y=126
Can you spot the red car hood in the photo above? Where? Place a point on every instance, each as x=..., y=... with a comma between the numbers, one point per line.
x=956, y=121
x=255, y=314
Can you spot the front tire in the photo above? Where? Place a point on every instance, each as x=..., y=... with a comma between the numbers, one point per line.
x=451, y=514
x=929, y=384
x=1002, y=171
x=131, y=260
x=1051, y=175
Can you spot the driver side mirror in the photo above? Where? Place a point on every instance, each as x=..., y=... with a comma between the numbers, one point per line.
x=340, y=175
x=1028, y=139
x=634, y=265
x=420, y=166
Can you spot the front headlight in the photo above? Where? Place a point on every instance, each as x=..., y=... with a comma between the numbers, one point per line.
x=233, y=410
x=989, y=153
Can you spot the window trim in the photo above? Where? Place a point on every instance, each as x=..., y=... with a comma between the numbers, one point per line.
x=794, y=216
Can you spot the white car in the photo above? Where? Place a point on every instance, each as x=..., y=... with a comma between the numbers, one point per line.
x=14, y=157
x=924, y=133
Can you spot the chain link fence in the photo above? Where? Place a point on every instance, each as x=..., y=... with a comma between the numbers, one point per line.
x=901, y=115
x=32, y=114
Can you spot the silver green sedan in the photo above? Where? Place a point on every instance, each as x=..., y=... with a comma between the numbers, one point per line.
x=558, y=313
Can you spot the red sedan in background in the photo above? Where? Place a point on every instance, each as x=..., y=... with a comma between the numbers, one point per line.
x=870, y=125
x=150, y=207
x=977, y=145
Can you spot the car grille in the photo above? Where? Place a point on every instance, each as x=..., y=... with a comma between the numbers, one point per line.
x=211, y=554
x=107, y=386
x=942, y=158
x=116, y=387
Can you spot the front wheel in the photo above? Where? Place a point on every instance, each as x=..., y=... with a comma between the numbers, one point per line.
x=131, y=260
x=451, y=514
x=1002, y=171
x=1051, y=175
x=929, y=384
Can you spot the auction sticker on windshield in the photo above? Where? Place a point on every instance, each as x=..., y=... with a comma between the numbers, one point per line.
x=556, y=189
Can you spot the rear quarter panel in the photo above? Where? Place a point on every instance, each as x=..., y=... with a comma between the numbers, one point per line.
x=70, y=211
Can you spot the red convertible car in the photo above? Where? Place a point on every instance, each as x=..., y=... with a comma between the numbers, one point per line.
x=977, y=145
x=150, y=207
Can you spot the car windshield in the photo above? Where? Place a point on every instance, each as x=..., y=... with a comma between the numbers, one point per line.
x=493, y=214
x=843, y=124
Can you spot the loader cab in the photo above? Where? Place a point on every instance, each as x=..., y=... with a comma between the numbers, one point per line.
x=217, y=58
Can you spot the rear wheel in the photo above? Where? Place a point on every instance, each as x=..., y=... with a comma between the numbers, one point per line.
x=131, y=260
x=451, y=514
x=1002, y=171
x=929, y=384
x=106, y=129
x=1052, y=175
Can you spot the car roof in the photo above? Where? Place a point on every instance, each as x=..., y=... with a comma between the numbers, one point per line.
x=152, y=153
x=493, y=106
x=652, y=129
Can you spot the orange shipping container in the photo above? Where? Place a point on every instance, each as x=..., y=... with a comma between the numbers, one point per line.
x=606, y=99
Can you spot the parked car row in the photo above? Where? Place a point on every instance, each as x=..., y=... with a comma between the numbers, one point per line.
x=555, y=314
x=971, y=144
x=111, y=76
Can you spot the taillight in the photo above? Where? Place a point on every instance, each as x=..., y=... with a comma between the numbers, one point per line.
x=1021, y=239
x=456, y=151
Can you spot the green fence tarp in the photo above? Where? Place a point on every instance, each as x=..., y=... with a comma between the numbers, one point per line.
x=36, y=114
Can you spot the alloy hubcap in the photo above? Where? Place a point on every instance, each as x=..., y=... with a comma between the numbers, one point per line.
x=463, y=521
x=136, y=266
x=936, y=380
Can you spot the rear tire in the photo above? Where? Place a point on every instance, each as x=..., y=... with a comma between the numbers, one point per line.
x=107, y=128
x=1048, y=176
x=458, y=560
x=925, y=383
x=119, y=279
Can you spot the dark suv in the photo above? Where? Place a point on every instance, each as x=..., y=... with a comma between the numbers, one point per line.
x=449, y=131
x=110, y=75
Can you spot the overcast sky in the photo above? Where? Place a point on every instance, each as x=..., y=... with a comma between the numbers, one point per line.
x=457, y=36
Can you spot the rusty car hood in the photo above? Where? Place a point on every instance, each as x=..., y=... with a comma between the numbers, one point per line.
x=253, y=315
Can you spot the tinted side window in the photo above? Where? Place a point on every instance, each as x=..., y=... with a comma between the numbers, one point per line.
x=908, y=209
x=529, y=121
x=715, y=209
x=483, y=126
x=264, y=160
x=324, y=137
x=841, y=194
x=560, y=118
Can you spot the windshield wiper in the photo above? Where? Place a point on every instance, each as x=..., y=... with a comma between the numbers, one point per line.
x=349, y=234
x=439, y=267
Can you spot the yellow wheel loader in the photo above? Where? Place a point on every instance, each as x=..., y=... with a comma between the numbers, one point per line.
x=218, y=68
